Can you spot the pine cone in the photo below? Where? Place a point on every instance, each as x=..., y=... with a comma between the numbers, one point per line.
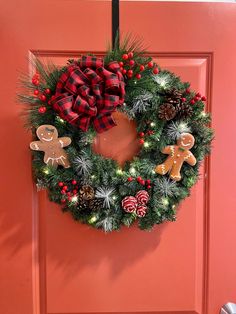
x=96, y=204
x=82, y=205
x=184, y=111
x=86, y=192
x=167, y=112
x=173, y=97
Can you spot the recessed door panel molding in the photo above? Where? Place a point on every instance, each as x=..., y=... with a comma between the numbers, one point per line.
x=78, y=270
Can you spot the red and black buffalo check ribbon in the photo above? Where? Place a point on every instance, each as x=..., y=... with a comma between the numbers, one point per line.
x=87, y=92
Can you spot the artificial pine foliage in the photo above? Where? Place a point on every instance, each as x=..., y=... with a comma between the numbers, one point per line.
x=163, y=107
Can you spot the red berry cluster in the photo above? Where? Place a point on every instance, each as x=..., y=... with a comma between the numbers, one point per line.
x=142, y=135
x=141, y=181
x=43, y=96
x=195, y=99
x=130, y=68
x=68, y=190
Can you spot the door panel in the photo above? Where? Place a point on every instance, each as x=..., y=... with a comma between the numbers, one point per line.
x=52, y=264
x=86, y=271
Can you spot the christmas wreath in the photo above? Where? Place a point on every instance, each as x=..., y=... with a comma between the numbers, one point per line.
x=67, y=106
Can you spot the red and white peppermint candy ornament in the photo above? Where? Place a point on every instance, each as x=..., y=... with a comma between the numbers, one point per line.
x=129, y=204
x=141, y=210
x=142, y=197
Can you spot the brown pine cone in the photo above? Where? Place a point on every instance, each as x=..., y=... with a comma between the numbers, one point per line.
x=86, y=192
x=167, y=112
x=82, y=205
x=173, y=97
x=184, y=111
x=96, y=204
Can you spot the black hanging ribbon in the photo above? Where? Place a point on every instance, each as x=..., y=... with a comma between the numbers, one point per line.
x=115, y=21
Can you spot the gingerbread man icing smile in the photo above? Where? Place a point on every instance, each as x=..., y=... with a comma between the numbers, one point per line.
x=178, y=154
x=52, y=146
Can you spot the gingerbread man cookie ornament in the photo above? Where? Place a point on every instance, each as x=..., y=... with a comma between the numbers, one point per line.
x=52, y=146
x=178, y=154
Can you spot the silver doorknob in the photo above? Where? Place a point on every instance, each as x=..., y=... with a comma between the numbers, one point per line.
x=229, y=308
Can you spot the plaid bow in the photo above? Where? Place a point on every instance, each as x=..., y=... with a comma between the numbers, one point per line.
x=87, y=92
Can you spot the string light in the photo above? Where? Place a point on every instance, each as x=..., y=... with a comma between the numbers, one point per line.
x=146, y=144
x=132, y=170
x=93, y=176
x=74, y=199
x=152, y=124
x=203, y=114
x=93, y=219
x=153, y=171
x=46, y=170
x=119, y=171
x=165, y=201
x=114, y=197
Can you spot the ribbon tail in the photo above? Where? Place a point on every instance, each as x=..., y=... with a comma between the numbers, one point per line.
x=103, y=123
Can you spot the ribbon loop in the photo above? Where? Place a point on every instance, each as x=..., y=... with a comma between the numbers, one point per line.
x=89, y=93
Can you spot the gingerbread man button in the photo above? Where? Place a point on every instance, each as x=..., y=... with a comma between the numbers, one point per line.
x=178, y=154
x=52, y=146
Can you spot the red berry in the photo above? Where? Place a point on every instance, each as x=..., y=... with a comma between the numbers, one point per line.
x=139, y=179
x=142, y=182
x=188, y=91
x=65, y=188
x=47, y=91
x=121, y=64
x=141, y=134
x=130, y=179
x=124, y=71
x=63, y=192
x=149, y=187
x=141, y=141
x=138, y=76
x=35, y=82
x=192, y=102
x=196, y=98
x=75, y=191
x=155, y=70
x=141, y=68
x=150, y=64
x=74, y=182
x=132, y=62
x=130, y=55
x=148, y=182
x=203, y=98
x=121, y=69
x=69, y=198
x=125, y=56
x=198, y=95
x=68, y=193
x=150, y=132
x=183, y=99
x=60, y=183
x=43, y=97
x=130, y=73
x=36, y=92
x=42, y=109
x=63, y=200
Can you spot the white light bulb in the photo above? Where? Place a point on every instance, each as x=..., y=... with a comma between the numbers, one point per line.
x=132, y=170
x=165, y=201
x=92, y=219
x=146, y=144
x=114, y=197
x=74, y=199
x=152, y=124
x=46, y=170
x=203, y=114
x=119, y=171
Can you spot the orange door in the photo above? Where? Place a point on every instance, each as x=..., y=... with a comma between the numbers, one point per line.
x=51, y=264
